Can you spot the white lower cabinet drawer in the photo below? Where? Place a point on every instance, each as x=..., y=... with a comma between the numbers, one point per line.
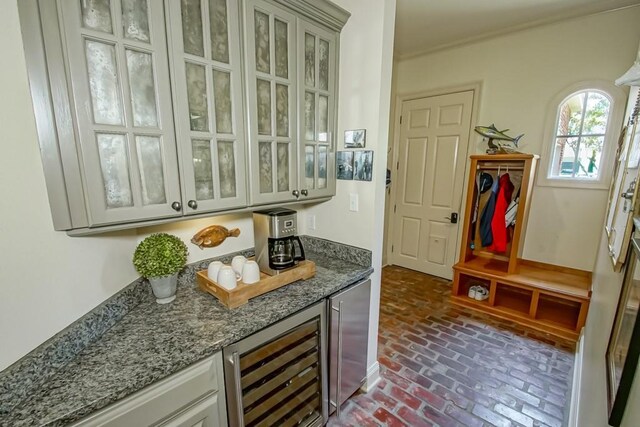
x=170, y=402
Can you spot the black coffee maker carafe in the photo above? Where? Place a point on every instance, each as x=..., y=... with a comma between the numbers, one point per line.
x=276, y=245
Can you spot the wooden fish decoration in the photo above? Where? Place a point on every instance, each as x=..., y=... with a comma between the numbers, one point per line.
x=213, y=235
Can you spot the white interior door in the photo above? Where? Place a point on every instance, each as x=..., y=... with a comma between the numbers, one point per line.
x=434, y=137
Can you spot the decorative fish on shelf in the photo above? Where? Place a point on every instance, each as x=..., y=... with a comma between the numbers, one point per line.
x=213, y=235
x=492, y=134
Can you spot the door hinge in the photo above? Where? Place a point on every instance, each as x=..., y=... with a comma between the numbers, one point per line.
x=400, y=119
x=398, y=165
x=394, y=208
x=391, y=248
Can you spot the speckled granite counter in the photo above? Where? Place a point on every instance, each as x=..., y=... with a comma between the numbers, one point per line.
x=152, y=341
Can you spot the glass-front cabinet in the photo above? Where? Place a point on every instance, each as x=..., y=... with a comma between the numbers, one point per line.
x=317, y=77
x=271, y=88
x=148, y=110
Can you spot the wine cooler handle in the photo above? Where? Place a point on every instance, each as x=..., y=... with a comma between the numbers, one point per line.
x=235, y=362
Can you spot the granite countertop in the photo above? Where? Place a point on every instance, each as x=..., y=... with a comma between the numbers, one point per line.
x=152, y=341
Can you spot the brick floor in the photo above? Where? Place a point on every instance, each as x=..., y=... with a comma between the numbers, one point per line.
x=442, y=365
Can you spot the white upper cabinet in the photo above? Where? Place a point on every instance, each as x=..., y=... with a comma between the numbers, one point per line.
x=148, y=111
x=117, y=60
x=207, y=85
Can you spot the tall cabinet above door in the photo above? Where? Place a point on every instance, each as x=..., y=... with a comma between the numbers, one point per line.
x=117, y=59
x=207, y=98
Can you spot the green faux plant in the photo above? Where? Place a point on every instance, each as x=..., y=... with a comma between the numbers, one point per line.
x=160, y=255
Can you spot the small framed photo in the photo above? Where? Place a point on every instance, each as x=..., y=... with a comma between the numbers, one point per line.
x=363, y=165
x=344, y=165
x=355, y=138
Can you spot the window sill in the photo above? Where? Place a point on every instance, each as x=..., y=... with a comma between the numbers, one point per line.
x=577, y=184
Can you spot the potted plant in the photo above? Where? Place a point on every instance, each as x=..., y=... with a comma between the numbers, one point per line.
x=159, y=258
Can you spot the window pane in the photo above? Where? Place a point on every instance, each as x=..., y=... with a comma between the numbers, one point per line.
x=589, y=156
x=103, y=83
x=565, y=155
x=96, y=15
x=219, y=30
x=309, y=166
x=282, y=110
x=264, y=107
x=192, y=27
x=202, y=169
x=595, y=120
x=222, y=101
x=227, y=168
x=197, y=96
x=114, y=162
x=309, y=116
x=570, y=116
x=282, y=49
x=151, y=172
x=322, y=166
x=309, y=60
x=266, y=167
x=323, y=118
x=143, y=93
x=135, y=20
x=283, y=166
x=262, y=42
x=323, y=72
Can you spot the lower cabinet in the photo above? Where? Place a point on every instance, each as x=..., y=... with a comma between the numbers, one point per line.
x=192, y=397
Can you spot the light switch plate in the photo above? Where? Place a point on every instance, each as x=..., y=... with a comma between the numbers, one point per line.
x=311, y=222
x=353, y=202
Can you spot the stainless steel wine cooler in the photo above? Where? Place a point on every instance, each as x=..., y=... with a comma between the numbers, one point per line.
x=278, y=376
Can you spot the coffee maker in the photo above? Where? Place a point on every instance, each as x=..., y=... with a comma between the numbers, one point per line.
x=275, y=238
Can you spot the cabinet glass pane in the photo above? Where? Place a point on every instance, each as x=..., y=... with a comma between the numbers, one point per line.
x=219, y=30
x=143, y=93
x=151, y=171
x=282, y=110
x=322, y=166
x=264, y=107
x=96, y=15
x=114, y=163
x=309, y=116
x=262, y=42
x=135, y=20
x=197, y=96
x=202, y=169
x=192, y=27
x=309, y=166
x=227, y=168
x=283, y=166
x=323, y=118
x=222, y=101
x=323, y=66
x=103, y=83
x=266, y=167
x=309, y=60
x=282, y=49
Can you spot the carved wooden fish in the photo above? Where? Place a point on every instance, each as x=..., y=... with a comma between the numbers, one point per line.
x=213, y=235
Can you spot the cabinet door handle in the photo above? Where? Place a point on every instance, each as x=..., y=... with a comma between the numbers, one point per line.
x=339, y=357
x=296, y=193
x=305, y=192
x=176, y=206
x=192, y=204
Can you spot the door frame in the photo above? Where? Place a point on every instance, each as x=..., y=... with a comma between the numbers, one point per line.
x=476, y=88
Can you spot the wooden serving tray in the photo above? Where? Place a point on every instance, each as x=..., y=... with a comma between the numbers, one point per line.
x=242, y=293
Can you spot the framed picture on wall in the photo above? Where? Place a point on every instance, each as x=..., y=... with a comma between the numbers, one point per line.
x=624, y=342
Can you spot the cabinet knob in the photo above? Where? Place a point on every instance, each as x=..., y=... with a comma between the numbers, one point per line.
x=192, y=204
x=176, y=206
x=296, y=193
x=305, y=192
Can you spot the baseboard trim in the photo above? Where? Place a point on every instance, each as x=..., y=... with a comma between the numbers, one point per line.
x=373, y=377
x=574, y=405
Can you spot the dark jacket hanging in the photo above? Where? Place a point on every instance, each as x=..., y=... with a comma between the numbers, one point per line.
x=486, y=236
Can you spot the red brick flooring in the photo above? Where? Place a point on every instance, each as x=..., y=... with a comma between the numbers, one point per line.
x=442, y=365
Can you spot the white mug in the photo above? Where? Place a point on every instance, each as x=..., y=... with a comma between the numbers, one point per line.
x=250, y=272
x=227, y=277
x=214, y=268
x=237, y=263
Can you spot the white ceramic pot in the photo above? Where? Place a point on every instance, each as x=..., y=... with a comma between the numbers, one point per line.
x=164, y=288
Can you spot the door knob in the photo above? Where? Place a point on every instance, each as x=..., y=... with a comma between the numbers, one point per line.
x=304, y=192
x=296, y=193
x=176, y=206
x=192, y=204
x=453, y=218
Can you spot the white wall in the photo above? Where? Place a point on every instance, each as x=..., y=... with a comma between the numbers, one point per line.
x=366, y=60
x=520, y=74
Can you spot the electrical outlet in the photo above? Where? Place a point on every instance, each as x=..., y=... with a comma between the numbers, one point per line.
x=311, y=222
x=353, y=202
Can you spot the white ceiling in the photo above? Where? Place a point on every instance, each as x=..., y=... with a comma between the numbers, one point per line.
x=427, y=25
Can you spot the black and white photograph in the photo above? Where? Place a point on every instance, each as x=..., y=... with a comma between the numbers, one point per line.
x=344, y=165
x=355, y=138
x=363, y=165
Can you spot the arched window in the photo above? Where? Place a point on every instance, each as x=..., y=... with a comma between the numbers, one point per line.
x=580, y=136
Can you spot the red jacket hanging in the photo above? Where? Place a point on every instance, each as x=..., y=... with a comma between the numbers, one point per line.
x=498, y=227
